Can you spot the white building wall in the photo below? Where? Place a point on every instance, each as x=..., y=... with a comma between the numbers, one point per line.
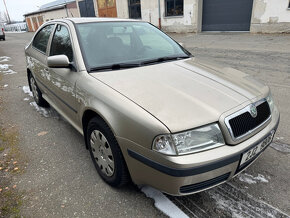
x=267, y=15
x=270, y=16
x=185, y=23
x=122, y=8
x=73, y=12
x=54, y=14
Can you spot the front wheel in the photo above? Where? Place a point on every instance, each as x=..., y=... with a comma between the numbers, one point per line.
x=106, y=153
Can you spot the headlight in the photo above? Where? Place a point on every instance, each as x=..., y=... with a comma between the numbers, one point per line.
x=270, y=102
x=191, y=141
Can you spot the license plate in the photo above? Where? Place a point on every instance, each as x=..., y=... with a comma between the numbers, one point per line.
x=253, y=152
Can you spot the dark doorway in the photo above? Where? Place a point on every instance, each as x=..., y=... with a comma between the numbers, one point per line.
x=134, y=9
x=87, y=8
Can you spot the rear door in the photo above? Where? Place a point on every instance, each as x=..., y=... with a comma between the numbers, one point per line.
x=62, y=80
x=38, y=56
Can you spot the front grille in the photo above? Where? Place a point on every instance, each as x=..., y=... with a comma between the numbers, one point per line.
x=244, y=122
x=203, y=185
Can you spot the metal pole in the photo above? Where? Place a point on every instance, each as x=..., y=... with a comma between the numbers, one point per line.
x=9, y=21
x=159, y=10
x=66, y=8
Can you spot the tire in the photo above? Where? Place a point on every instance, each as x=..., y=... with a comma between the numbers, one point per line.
x=106, y=153
x=37, y=95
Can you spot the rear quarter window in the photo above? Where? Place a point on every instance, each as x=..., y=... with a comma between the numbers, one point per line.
x=41, y=39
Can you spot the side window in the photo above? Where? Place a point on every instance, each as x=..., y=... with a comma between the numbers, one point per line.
x=61, y=43
x=41, y=39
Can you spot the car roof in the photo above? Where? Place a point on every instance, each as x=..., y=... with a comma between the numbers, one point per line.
x=96, y=19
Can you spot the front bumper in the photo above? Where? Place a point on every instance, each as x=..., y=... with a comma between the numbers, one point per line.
x=187, y=174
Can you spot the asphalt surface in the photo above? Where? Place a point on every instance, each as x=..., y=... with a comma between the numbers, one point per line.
x=60, y=179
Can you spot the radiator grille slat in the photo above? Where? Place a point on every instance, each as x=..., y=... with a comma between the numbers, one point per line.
x=244, y=122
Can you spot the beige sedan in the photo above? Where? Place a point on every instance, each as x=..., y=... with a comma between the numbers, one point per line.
x=147, y=109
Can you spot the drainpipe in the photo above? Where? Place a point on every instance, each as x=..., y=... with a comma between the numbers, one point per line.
x=159, y=10
x=66, y=8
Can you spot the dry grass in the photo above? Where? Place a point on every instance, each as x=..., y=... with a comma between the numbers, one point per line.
x=11, y=164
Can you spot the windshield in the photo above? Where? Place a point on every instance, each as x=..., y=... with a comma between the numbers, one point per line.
x=118, y=43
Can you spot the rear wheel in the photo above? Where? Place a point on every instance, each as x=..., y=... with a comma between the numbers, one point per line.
x=37, y=95
x=106, y=154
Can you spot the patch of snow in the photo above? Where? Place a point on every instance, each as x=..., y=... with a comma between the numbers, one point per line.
x=9, y=72
x=26, y=90
x=46, y=112
x=227, y=205
x=5, y=86
x=246, y=203
x=250, y=179
x=40, y=110
x=279, y=138
x=15, y=31
x=4, y=67
x=285, y=148
x=4, y=59
x=163, y=203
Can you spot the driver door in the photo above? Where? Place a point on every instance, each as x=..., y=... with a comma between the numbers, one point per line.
x=62, y=80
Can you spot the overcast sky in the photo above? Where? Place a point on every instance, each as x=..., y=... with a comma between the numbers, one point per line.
x=16, y=8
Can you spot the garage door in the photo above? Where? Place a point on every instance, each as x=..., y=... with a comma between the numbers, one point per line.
x=226, y=15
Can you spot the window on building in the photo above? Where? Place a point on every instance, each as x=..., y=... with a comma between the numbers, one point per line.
x=289, y=5
x=173, y=8
x=61, y=43
x=134, y=9
x=41, y=39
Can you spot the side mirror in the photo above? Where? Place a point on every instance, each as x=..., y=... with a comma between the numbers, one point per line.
x=58, y=61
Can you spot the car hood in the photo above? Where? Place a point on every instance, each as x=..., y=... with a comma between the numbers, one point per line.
x=184, y=94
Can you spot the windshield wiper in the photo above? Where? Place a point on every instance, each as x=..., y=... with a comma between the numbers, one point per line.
x=115, y=66
x=131, y=65
x=163, y=59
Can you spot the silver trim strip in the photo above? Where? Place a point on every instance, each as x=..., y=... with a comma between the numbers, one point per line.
x=245, y=109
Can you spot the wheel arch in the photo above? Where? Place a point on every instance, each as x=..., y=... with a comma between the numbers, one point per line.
x=88, y=114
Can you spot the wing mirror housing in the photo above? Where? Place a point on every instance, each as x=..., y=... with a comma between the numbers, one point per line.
x=58, y=61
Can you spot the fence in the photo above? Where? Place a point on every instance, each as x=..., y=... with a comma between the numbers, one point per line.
x=16, y=27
